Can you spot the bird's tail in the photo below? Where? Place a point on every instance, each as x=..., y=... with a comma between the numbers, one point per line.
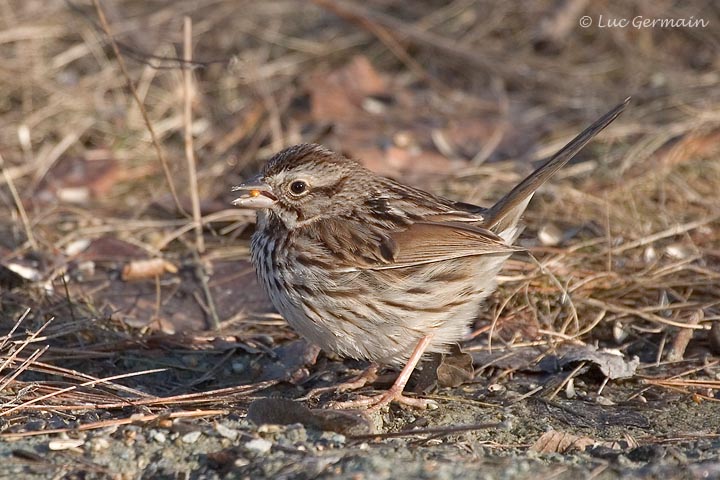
x=503, y=217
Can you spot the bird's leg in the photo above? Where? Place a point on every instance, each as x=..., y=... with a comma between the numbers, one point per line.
x=369, y=375
x=394, y=394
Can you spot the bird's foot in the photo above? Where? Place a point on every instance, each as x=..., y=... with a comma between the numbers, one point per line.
x=369, y=375
x=393, y=395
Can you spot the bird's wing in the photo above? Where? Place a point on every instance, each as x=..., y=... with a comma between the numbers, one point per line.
x=430, y=242
x=356, y=246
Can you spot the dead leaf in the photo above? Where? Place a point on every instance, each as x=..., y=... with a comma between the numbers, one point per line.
x=339, y=95
x=522, y=358
x=290, y=362
x=110, y=249
x=445, y=370
x=611, y=363
x=77, y=180
x=560, y=442
x=553, y=441
x=455, y=368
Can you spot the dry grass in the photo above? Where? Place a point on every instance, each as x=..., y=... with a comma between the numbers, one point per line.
x=632, y=260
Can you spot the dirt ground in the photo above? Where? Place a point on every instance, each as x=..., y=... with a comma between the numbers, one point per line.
x=135, y=341
x=477, y=431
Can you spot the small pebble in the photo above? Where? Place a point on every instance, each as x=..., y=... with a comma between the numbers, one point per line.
x=191, y=437
x=600, y=400
x=158, y=436
x=238, y=366
x=677, y=251
x=550, y=235
x=99, y=444
x=65, y=443
x=335, y=439
x=259, y=445
x=226, y=432
x=269, y=428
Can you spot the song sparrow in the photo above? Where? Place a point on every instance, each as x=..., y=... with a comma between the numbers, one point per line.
x=372, y=269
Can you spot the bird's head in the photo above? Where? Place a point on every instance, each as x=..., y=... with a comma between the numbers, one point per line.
x=306, y=183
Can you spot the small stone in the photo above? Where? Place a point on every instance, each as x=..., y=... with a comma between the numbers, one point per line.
x=65, y=443
x=269, y=428
x=191, y=437
x=570, y=389
x=226, y=432
x=496, y=389
x=600, y=400
x=165, y=423
x=650, y=255
x=677, y=251
x=337, y=438
x=550, y=235
x=158, y=436
x=259, y=445
x=296, y=434
x=99, y=444
x=238, y=366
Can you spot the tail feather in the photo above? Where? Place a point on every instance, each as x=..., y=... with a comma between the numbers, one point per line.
x=503, y=217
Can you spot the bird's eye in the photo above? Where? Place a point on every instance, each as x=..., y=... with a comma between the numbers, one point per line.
x=298, y=187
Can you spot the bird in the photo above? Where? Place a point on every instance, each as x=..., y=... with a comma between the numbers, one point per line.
x=372, y=269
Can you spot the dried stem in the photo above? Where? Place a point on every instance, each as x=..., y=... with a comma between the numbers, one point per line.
x=187, y=122
x=143, y=112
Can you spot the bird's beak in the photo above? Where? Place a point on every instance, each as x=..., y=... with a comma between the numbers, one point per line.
x=256, y=194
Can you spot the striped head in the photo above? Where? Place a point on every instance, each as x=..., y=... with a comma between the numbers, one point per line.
x=304, y=184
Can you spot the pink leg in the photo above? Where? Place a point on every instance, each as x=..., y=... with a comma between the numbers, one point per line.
x=369, y=375
x=394, y=394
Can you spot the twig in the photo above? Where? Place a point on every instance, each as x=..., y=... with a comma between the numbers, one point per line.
x=388, y=39
x=143, y=112
x=18, y=203
x=557, y=27
x=209, y=374
x=364, y=17
x=203, y=279
x=566, y=380
x=500, y=129
x=566, y=298
x=496, y=317
x=639, y=313
x=29, y=339
x=84, y=384
x=63, y=276
x=75, y=375
x=670, y=232
x=430, y=431
x=23, y=366
x=117, y=422
x=220, y=395
x=9, y=335
x=187, y=121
